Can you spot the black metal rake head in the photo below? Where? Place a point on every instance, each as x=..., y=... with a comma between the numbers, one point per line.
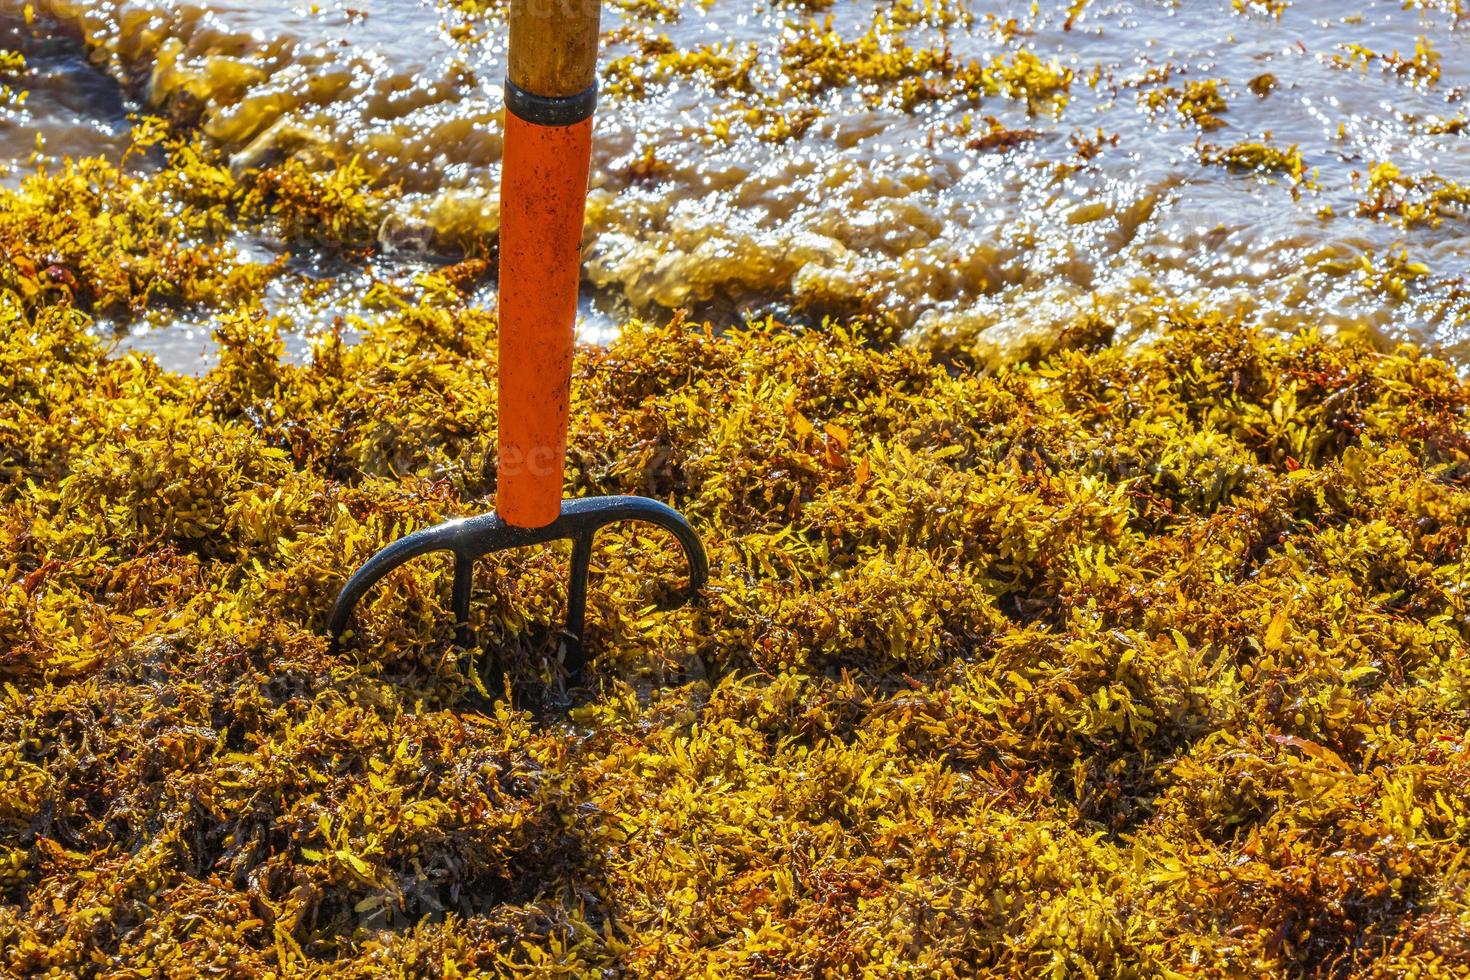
x=470, y=538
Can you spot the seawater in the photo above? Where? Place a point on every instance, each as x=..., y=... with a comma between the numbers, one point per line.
x=1106, y=210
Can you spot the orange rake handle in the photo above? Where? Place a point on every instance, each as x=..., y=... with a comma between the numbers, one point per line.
x=550, y=94
x=543, y=192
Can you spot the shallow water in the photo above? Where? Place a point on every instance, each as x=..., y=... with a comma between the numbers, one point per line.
x=69, y=108
x=699, y=199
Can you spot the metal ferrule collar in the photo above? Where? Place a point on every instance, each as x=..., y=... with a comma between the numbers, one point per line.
x=543, y=110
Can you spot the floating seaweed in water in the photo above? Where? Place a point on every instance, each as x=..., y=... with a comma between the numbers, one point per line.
x=1263, y=158
x=107, y=238
x=1199, y=101
x=1425, y=199
x=12, y=67
x=1422, y=68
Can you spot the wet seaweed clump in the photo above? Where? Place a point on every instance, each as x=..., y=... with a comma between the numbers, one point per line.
x=1420, y=69
x=1457, y=8
x=1393, y=274
x=1425, y=199
x=1275, y=8
x=1044, y=86
x=112, y=238
x=1199, y=101
x=1261, y=157
x=12, y=69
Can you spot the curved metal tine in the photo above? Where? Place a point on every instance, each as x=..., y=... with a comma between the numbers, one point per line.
x=464, y=581
x=473, y=537
x=439, y=538
x=632, y=510
x=589, y=515
x=575, y=656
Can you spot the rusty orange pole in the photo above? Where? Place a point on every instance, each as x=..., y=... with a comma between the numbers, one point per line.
x=550, y=93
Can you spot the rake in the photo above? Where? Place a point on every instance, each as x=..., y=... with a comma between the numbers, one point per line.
x=550, y=95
